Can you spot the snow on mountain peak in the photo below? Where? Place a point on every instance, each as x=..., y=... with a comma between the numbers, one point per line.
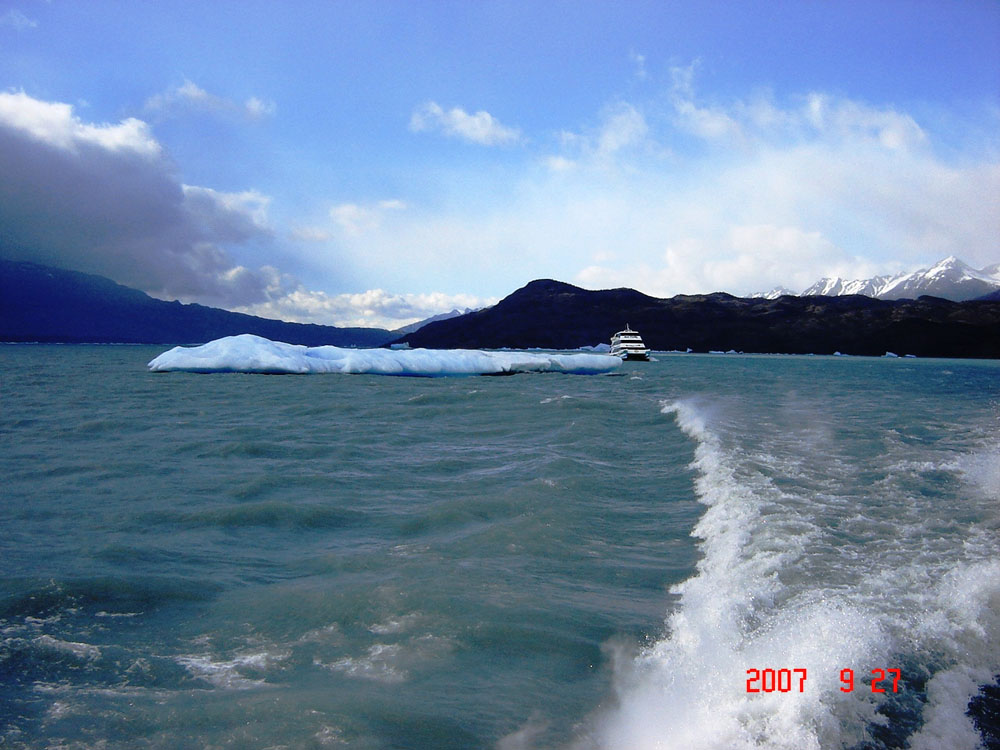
x=950, y=278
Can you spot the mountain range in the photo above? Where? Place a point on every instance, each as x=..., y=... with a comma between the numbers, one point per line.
x=433, y=319
x=554, y=315
x=44, y=304
x=949, y=279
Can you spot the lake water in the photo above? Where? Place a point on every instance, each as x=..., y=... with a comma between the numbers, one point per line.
x=533, y=561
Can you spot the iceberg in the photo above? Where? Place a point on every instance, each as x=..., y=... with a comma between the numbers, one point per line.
x=255, y=354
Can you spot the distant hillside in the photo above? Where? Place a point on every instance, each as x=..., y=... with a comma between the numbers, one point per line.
x=38, y=303
x=552, y=314
x=433, y=319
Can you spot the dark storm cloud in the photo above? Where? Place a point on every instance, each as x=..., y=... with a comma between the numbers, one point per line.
x=104, y=199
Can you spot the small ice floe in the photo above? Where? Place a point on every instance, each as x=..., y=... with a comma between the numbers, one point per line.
x=891, y=355
x=255, y=354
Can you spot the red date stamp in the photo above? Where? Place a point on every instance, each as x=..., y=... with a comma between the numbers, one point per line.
x=769, y=680
x=787, y=680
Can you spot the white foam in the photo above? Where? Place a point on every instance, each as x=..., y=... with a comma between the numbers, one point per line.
x=982, y=469
x=229, y=674
x=771, y=592
x=392, y=663
x=380, y=663
x=396, y=624
x=689, y=689
x=945, y=722
x=961, y=616
x=85, y=651
x=254, y=354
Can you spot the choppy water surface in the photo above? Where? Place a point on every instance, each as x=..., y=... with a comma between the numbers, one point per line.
x=532, y=561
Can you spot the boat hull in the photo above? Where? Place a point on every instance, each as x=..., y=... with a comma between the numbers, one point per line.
x=628, y=345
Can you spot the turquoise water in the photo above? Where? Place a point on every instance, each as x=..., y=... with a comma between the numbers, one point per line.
x=535, y=561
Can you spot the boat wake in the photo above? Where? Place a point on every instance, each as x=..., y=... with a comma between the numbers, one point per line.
x=801, y=580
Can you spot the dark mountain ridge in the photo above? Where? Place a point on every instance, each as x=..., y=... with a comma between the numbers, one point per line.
x=43, y=304
x=553, y=314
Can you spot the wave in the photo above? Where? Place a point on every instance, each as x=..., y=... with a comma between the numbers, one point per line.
x=782, y=586
x=52, y=598
x=272, y=514
x=254, y=354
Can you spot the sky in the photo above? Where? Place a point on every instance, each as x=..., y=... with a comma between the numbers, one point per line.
x=375, y=163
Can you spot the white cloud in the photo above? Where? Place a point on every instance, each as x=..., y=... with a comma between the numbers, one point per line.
x=190, y=97
x=55, y=124
x=374, y=308
x=559, y=163
x=621, y=139
x=481, y=127
x=17, y=20
x=356, y=219
x=851, y=120
x=623, y=128
x=311, y=234
x=705, y=122
x=639, y=61
x=257, y=108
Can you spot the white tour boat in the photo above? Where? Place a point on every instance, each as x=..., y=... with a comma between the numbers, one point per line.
x=628, y=344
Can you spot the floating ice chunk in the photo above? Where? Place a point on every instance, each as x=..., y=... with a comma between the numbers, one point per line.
x=249, y=353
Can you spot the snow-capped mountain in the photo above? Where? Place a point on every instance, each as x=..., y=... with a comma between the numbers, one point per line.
x=778, y=291
x=833, y=287
x=950, y=278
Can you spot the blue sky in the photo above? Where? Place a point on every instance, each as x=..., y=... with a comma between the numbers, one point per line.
x=378, y=162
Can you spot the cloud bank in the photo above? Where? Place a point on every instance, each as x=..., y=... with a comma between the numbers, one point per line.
x=373, y=308
x=103, y=198
x=675, y=193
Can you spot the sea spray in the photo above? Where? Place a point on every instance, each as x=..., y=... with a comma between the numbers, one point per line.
x=689, y=690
